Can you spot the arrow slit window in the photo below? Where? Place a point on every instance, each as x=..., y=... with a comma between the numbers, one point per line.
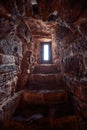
x=46, y=52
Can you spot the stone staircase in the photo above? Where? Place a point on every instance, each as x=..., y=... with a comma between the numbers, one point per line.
x=50, y=110
x=45, y=103
x=46, y=77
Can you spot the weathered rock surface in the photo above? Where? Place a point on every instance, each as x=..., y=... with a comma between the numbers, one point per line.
x=19, y=34
x=15, y=40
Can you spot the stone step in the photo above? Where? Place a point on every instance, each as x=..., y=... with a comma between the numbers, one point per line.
x=46, y=81
x=45, y=78
x=57, y=111
x=66, y=123
x=45, y=69
x=45, y=97
x=50, y=123
x=44, y=103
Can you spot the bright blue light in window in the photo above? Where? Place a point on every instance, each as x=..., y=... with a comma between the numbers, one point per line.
x=46, y=52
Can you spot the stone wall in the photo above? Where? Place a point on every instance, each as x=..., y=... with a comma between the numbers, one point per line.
x=8, y=107
x=72, y=49
x=9, y=68
x=16, y=56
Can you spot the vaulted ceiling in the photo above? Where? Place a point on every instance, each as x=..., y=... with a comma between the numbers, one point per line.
x=68, y=10
x=70, y=13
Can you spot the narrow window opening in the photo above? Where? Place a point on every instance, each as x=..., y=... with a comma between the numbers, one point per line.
x=46, y=53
